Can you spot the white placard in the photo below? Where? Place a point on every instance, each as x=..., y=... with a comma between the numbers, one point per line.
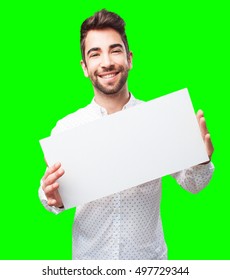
x=125, y=149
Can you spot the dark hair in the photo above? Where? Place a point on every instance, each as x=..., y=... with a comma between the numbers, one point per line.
x=101, y=20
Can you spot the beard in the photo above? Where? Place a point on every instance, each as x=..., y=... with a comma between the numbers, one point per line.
x=111, y=87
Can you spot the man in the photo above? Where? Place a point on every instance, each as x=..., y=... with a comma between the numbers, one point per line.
x=126, y=225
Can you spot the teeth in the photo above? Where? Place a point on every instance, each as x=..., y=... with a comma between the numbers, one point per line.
x=108, y=76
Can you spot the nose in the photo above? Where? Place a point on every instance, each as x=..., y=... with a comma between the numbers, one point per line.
x=106, y=60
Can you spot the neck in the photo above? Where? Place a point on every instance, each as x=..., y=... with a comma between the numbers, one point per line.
x=114, y=102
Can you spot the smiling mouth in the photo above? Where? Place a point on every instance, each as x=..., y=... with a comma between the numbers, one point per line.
x=108, y=76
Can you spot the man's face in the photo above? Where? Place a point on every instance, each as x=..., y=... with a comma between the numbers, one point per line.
x=106, y=61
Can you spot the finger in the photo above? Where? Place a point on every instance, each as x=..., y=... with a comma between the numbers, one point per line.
x=209, y=145
x=55, y=202
x=52, y=169
x=199, y=114
x=203, y=127
x=52, y=178
x=51, y=202
x=50, y=189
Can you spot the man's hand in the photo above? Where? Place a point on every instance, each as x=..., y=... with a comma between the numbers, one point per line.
x=50, y=186
x=205, y=134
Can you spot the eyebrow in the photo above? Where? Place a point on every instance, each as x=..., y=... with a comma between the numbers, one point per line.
x=92, y=50
x=110, y=47
x=115, y=46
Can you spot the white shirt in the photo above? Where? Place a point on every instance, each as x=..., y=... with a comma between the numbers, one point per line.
x=126, y=225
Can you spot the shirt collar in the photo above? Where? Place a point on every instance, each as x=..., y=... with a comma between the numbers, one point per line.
x=132, y=102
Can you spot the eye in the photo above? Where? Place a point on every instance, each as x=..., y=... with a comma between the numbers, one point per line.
x=116, y=51
x=94, y=54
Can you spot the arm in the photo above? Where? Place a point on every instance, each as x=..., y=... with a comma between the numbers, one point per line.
x=197, y=177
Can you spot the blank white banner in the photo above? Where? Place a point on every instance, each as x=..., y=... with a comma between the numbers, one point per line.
x=125, y=149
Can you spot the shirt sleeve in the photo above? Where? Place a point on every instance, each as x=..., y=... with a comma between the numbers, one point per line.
x=195, y=178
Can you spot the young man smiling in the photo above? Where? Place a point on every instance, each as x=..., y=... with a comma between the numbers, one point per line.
x=126, y=225
x=106, y=61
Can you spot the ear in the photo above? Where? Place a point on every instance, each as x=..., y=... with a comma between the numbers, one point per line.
x=84, y=68
x=130, y=60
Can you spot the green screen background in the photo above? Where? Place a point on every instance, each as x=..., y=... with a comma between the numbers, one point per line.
x=175, y=45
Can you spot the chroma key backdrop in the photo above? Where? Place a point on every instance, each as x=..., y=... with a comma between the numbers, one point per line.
x=176, y=44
